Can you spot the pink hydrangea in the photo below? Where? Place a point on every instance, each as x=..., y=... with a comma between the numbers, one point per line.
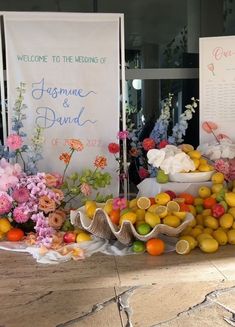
x=14, y=142
x=232, y=169
x=20, y=216
x=223, y=167
x=21, y=194
x=5, y=203
x=85, y=189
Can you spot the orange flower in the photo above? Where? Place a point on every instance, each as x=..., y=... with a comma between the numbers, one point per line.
x=46, y=204
x=65, y=157
x=51, y=180
x=100, y=162
x=56, y=219
x=75, y=144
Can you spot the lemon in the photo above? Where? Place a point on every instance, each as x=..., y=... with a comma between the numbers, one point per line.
x=199, y=219
x=203, y=161
x=233, y=227
x=206, y=212
x=129, y=216
x=209, y=245
x=217, y=178
x=182, y=247
x=226, y=221
x=186, y=147
x=181, y=214
x=192, y=241
x=204, y=192
x=143, y=202
x=195, y=232
x=172, y=221
x=216, y=188
x=231, y=236
x=2, y=235
x=220, y=236
x=161, y=211
x=198, y=201
x=194, y=154
x=203, y=236
x=193, y=223
x=211, y=222
x=83, y=237
x=90, y=211
x=186, y=231
x=232, y=211
x=108, y=207
x=204, y=168
x=5, y=225
x=208, y=230
x=140, y=214
x=230, y=199
x=152, y=219
x=196, y=163
x=153, y=208
x=162, y=198
x=91, y=203
x=132, y=203
x=173, y=206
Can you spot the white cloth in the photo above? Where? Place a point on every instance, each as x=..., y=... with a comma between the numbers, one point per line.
x=90, y=247
x=150, y=187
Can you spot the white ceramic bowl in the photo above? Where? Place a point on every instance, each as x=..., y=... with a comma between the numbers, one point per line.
x=191, y=177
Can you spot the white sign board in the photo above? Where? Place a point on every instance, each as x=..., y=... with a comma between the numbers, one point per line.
x=217, y=88
x=70, y=64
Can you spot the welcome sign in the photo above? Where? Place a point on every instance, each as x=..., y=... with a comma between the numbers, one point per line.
x=70, y=64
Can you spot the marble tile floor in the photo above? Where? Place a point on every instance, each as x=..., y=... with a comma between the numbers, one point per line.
x=132, y=291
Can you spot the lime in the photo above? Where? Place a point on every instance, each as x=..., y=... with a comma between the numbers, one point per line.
x=138, y=246
x=143, y=229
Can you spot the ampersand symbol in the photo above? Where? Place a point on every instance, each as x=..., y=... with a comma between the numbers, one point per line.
x=66, y=103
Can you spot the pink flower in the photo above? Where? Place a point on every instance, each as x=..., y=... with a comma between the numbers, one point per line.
x=100, y=162
x=143, y=173
x=21, y=194
x=148, y=144
x=232, y=169
x=14, y=142
x=119, y=203
x=85, y=189
x=163, y=144
x=20, y=216
x=5, y=203
x=223, y=167
x=122, y=135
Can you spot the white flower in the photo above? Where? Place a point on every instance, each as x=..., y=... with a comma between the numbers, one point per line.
x=156, y=157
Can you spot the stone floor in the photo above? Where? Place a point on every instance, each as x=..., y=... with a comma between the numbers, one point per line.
x=132, y=291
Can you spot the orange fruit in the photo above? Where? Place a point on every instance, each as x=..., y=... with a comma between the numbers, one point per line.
x=184, y=207
x=155, y=246
x=209, y=202
x=114, y=216
x=143, y=202
x=15, y=234
x=189, y=199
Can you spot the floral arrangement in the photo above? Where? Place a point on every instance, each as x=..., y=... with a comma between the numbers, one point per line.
x=159, y=138
x=40, y=202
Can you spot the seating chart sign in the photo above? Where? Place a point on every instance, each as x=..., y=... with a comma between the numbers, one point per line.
x=217, y=88
x=70, y=63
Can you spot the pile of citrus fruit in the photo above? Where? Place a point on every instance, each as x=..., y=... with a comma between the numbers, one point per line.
x=201, y=164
